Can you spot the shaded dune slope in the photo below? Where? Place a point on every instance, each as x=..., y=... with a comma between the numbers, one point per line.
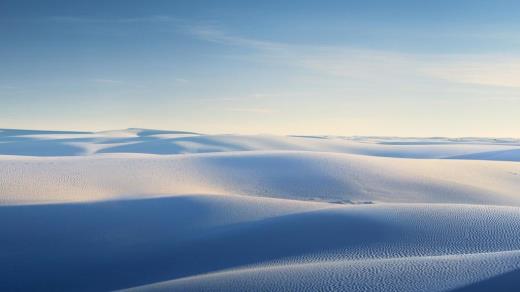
x=130, y=243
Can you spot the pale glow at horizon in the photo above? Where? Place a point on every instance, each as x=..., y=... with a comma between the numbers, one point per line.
x=390, y=68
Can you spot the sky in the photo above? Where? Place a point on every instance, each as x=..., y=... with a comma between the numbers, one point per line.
x=390, y=68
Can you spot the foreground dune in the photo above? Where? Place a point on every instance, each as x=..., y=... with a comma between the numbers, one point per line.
x=394, y=274
x=180, y=211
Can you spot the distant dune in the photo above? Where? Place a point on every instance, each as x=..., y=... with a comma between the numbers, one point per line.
x=147, y=209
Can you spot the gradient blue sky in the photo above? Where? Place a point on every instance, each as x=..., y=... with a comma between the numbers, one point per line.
x=406, y=68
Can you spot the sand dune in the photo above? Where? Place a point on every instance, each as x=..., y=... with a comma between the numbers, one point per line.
x=438, y=273
x=181, y=211
x=330, y=177
x=55, y=143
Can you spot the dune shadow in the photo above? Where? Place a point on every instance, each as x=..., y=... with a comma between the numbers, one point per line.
x=282, y=237
x=20, y=142
x=197, y=144
x=144, y=145
x=20, y=132
x=119, y=244
x=501, y=155
x=150, y=132
x=506, y=282
x=35, y=143
x=34, y=147
x=309, y=137
x=92, y=246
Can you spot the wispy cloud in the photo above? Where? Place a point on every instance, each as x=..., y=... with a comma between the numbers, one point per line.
x=255, y=110
x=145, y=19
x=503, y=98
x=249, y=97
x=344, y=61
x=487, y=70
x=181, y=80
x=212, y=34
x=107, y=81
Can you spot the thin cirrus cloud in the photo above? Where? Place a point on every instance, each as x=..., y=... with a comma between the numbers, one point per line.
x=480, y=70
x=345, y=61
x=181, y=80
x=107, y=81
x=484, y=69
x=147, y=19
x=260, y=96
x=212, y=34
x=255, y=110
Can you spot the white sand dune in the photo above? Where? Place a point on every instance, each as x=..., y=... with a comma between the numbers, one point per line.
x=331, y=177
x=438, y=273
x=52, y=143
x=181, y=211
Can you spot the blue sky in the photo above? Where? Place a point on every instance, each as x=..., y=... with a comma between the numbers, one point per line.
x=406, y=68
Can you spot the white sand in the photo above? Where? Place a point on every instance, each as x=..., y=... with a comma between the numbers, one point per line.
x=183, y=211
